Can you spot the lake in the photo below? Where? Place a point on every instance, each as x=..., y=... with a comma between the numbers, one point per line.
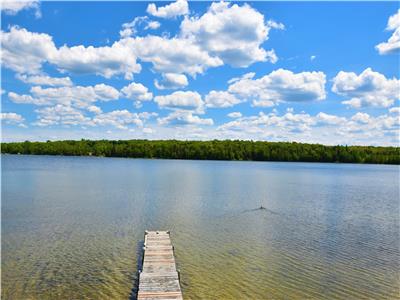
x=72, y=227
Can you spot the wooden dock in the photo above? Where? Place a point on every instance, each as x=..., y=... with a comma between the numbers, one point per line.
x=158, y=278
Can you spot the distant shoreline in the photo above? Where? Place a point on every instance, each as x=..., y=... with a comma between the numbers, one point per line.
x=227, y=150
x=202, y=160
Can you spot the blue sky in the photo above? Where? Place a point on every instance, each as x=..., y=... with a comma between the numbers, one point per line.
x=278, y=71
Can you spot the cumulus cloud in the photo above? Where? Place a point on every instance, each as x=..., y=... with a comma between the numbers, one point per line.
x=393, y=44
x=12, y=118
x=60, y=115
x=94, y=109
x=183, y=117
x=280, y=85
x=320, y=128
x=231, y=32
x=171, y=81
x=235, y=114
x=329, y=119
x=181, y=99
x=225, y=34
x=290, y=122
x=220, y=99
x=173, y=55
x=366, y=89
x=66, y=115
x=178, y=8
x=394, y=110
x=26, y=52
x=24, y=99
x=130, y=28
x=275, y=25
x=137, y=91
x=118, y=118
x=361, y=118
x=14, y=7
x=153, y=25
x=105, y=61
x=79, y=96
x=249, y=75
x=44, y=80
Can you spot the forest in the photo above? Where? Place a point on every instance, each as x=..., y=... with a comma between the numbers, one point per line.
x=210, y=150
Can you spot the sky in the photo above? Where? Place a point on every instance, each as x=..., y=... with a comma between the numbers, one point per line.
x=315, y=72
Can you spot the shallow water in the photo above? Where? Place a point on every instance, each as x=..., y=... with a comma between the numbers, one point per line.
x=72, y=227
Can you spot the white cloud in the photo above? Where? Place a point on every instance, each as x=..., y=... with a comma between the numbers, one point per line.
x=171, y=81
x=367, y=89
x=321, y=128
x=14, y=7
x=361, y=117
x=249, y=75
x=181, y=99
x=147, y=115
x=66, y=115
x=24, y=99
x=226, y=33
x=173, y=55
x=60, y=115
x=105, y=61
x=290, y=123
x=328, y=119
x=26, y=52
x=183, y=117
x=12, y=118
x=129, y=29
x=147, y=130
x=79, y=96
x=394, y=110
x=94, y=109
x=275, y=25
x=153, y=25
x=312, y=57
x=393, y=44
x=178, y=8
x=137, y=91
x=44, y=80
x=220, y=99
x=118, y=118
x=301, y=127
x=231, y=32
x=280, y=85
x=235, y=114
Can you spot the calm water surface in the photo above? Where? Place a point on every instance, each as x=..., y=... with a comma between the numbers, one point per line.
x=72, y=227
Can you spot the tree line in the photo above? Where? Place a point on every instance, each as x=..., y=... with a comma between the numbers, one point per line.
x=210, y=150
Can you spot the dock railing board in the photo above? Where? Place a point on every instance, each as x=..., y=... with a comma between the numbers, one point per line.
x=159, y=278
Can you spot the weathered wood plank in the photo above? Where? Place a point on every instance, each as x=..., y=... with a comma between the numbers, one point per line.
x=159, y=278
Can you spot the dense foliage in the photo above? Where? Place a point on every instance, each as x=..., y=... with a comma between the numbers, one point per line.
x=216, y=150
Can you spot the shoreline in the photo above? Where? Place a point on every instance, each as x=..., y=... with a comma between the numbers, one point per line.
x=205, y=160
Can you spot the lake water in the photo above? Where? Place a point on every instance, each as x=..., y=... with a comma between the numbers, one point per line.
x=72, y=227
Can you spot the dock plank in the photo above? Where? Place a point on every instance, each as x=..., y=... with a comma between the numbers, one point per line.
x=159, y=278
